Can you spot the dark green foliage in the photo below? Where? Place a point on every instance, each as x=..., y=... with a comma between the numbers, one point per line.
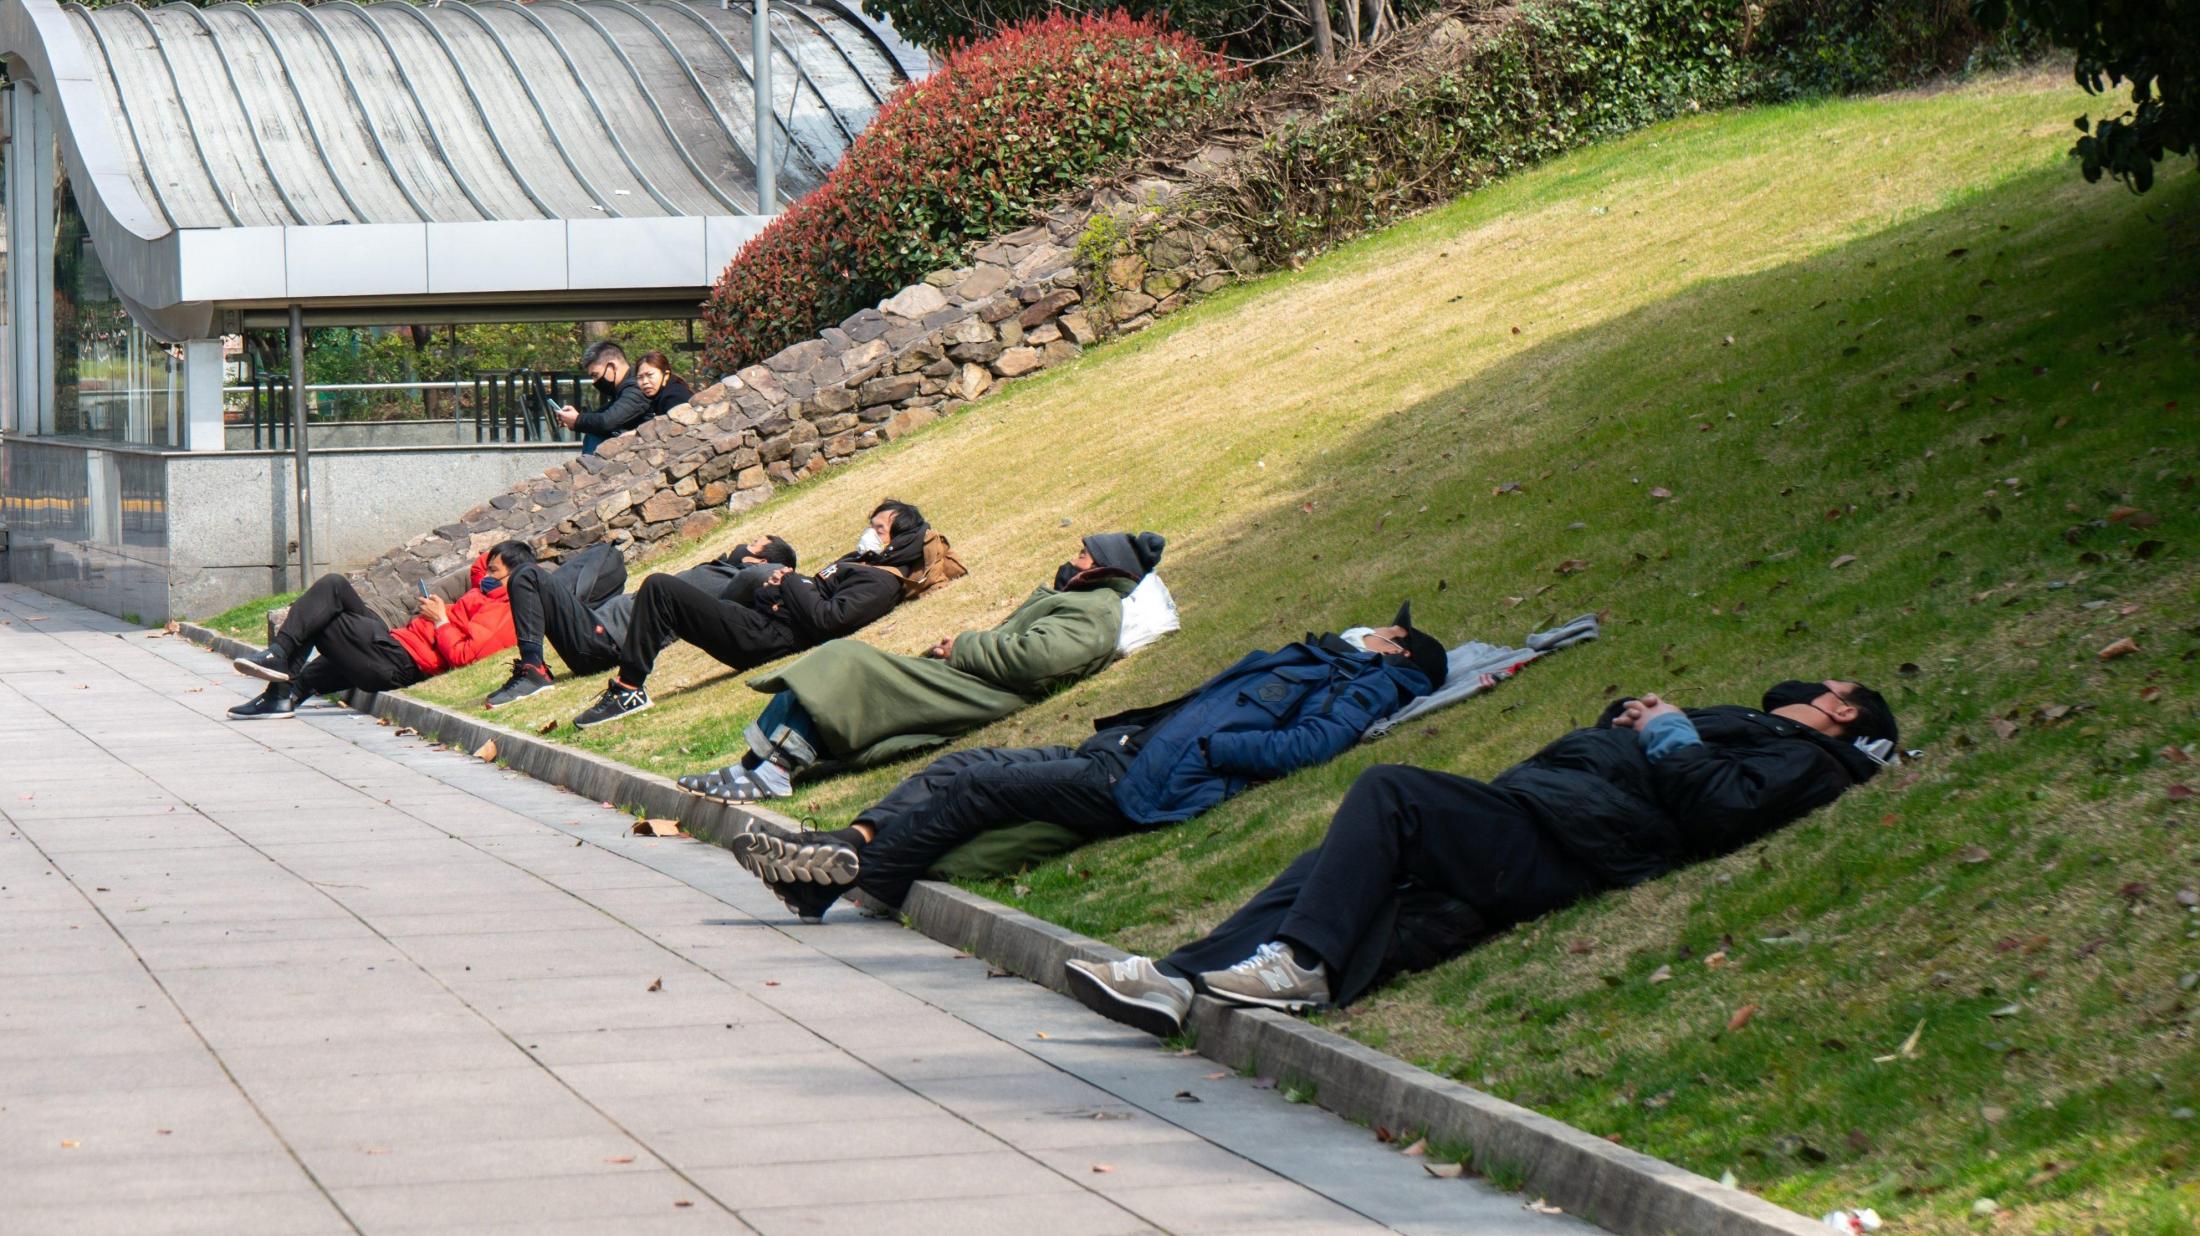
x=1556, y=74
x=997, y=131
x=2151, y=47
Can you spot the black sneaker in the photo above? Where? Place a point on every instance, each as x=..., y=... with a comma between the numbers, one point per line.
x=788, y=856
x=269, y=666
x=618, y=700
x=277, y=701
x=525, y=681
x=808, y=902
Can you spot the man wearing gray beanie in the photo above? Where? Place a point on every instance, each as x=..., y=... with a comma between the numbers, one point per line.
x=849, y=705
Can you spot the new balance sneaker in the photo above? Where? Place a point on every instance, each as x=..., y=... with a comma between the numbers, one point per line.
x=1270, y=978
x=788, y=856
x=526, y=679
x=1132, y=991
x=269, y=666
x=276, y=702
x=618, y=700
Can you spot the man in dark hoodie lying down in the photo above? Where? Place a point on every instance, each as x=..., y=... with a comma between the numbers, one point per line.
x=1418, y=865
x=1269, y=715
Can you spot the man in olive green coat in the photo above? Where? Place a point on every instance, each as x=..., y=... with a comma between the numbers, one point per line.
x=848, y=705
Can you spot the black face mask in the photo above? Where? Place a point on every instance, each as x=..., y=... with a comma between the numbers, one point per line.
x=1782, y=694
x=1064, y=575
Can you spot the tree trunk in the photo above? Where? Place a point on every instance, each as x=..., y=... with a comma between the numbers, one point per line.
x=1324, y=47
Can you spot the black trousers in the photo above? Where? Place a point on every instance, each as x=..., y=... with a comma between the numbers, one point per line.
x=667, y=608
x=1398, y=827
x=546, y=604
x=357, y=651
x=958, y=796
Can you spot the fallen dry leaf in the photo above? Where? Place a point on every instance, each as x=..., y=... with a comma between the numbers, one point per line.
x=1542, y=1207
x=2121, y=648
x=1715, y=960
x=656, y=985
x=1445, y=1171
x=683, y=1203
x=487, y=751
x=1416, y=1150
x=1741, y=1017
x=1842, y=561
x=656, y=828
x=1571, y=566
x=1660, y=491
x=2004, y=728
x=1663, y=974
x=2180, y=792
x=2175, y=755
x=68, y=1143
x=1908, y=1050
x=1579, y=947
x=547, y=726
x=1041, y=1034
x=620, y=1158
x=1216, y=1076
x=1972, y=855
x=1102, y=1169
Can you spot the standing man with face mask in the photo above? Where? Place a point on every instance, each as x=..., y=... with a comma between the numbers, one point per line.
x=624, y=405
x=787, y=614
x=849, y=705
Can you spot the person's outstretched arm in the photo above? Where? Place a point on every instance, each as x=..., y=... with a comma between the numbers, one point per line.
x=1727, y=796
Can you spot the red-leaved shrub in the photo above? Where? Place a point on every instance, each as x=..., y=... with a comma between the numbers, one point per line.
x=997, y=131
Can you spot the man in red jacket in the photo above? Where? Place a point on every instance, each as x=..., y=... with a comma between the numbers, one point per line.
x=357, y=653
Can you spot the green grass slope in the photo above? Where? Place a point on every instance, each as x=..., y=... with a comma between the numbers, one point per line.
x=1923, y=404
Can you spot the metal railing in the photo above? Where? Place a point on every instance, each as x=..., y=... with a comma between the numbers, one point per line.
x=508, y=406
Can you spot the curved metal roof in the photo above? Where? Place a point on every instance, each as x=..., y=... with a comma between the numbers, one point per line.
x=281, y=115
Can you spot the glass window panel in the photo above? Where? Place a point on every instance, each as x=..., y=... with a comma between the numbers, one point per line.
x=112, y=380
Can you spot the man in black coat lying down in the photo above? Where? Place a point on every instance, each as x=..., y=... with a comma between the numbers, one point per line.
x=1418, y=865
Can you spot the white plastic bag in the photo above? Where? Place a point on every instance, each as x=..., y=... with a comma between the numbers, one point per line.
x=1149, y=613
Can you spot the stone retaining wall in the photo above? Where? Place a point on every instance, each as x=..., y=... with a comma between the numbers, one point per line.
x=1029, y=300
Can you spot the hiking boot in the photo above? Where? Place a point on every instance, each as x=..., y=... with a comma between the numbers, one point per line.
x=618, y=700
x=526, y=679
x=1270, y=978
x=269, y=666
x=1132, y=991
x=785, y=856
x=276, y=702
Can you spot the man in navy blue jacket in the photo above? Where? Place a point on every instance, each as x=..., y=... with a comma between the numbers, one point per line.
x=1270, y=714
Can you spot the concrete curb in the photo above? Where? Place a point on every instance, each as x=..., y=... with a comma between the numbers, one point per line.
x=1623, y=1190
x=606, y=781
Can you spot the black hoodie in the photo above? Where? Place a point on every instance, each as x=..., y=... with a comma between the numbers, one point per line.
x=1596, y=793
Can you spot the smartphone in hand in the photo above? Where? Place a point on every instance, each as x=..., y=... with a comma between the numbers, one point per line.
x=422, y=585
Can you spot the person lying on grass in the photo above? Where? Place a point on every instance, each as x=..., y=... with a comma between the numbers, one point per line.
x=787, y=613
x=1418, y=865
x=357, y=652
x=1270, y=714
x=849, y=705
x=582, y=607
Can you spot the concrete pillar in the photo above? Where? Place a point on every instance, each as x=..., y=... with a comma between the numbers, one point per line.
x=202, y=395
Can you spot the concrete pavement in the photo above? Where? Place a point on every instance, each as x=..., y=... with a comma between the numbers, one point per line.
x=318, y=976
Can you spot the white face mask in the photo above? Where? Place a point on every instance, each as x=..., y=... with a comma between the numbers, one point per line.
x=1356, y=636
x=869, y=542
